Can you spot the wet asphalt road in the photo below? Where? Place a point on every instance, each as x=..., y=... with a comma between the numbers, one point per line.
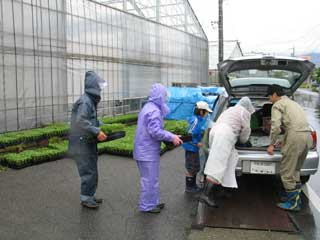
x=42, y=202
x=311, y=104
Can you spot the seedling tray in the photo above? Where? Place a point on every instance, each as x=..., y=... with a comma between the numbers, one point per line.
x=115, y=135
x=184, y=138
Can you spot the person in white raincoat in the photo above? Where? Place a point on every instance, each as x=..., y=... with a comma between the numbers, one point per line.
x=232, y=125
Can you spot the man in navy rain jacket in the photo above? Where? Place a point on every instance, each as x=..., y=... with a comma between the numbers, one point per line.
x=84, y=136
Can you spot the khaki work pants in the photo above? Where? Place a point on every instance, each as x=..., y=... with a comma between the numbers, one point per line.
x=294, y=151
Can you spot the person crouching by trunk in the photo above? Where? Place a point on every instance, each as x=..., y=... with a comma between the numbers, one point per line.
x=232, y=125
x=84, y=136
x=197, y=126
x=148, y=137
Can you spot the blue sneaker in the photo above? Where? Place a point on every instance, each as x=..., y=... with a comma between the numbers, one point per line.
x=284, y=195
x=293, y=202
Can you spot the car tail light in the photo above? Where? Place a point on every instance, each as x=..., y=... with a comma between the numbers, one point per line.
x=314, y=139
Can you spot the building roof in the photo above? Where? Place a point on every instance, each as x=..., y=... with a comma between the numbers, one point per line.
x=231, y=49
x=174, y=13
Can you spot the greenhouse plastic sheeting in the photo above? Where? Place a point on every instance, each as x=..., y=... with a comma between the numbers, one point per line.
x=182, y=100
x=47, y=46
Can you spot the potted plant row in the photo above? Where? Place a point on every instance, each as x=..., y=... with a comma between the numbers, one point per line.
x=35, y=156
x=123, y=146
x=57, y=147
x=33, y=135
x=125, y=119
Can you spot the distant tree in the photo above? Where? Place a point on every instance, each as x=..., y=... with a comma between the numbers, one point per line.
x=316, y=74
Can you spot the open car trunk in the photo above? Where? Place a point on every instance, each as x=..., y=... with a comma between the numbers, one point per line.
x=260, y=130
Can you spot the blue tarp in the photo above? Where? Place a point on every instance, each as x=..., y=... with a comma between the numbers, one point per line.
x=182, y=100
x=212, y=90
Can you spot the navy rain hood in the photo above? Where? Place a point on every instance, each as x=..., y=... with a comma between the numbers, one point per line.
x=93, y=85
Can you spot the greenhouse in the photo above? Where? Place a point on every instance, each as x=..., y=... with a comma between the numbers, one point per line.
x=47, y=46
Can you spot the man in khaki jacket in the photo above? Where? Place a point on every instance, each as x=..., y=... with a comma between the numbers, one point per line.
x=297, y=141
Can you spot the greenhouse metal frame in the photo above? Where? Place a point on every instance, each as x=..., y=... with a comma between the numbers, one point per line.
x=47, y=46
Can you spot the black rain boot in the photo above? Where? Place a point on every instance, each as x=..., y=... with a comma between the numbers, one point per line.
x=205, y=195
x=191, y=184
x=223, y=192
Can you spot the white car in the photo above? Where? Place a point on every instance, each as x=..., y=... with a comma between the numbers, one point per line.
x=251, y=76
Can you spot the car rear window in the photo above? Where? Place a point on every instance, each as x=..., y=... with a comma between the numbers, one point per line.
x=258, y=77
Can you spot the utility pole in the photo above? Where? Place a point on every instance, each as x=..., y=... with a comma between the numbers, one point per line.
x=220, y=23
x=293, y=51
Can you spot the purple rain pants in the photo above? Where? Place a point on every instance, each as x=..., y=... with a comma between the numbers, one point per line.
x=149, y=183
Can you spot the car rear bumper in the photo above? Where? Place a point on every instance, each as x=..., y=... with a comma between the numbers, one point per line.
x=246, y=158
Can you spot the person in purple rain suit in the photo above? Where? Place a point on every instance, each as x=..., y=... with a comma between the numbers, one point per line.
x=149, y=135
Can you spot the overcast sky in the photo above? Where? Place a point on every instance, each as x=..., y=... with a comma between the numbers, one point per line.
x=270, y=26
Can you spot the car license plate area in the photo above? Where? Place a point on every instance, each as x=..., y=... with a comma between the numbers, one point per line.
x=262, y=167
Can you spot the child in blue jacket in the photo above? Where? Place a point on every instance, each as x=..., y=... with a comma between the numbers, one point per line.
x=197, y=126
